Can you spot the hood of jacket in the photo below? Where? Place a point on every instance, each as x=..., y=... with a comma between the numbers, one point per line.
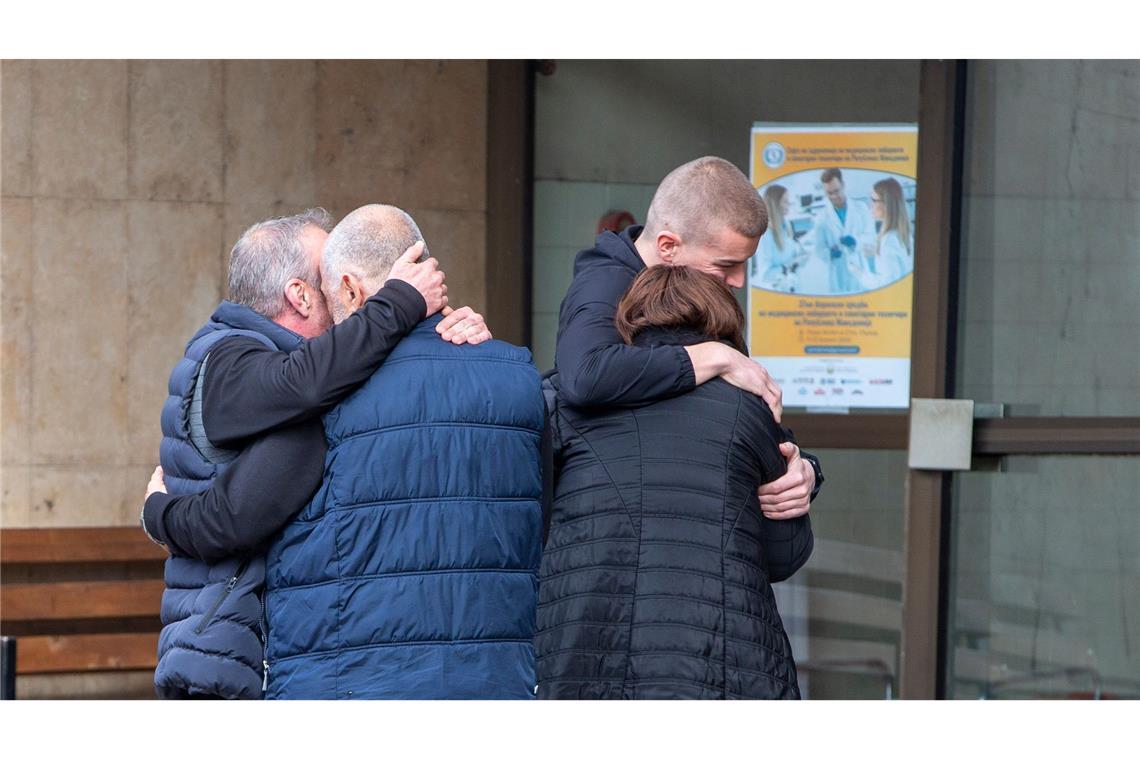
x=612, y=249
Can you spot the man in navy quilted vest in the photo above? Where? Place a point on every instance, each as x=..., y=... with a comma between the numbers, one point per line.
x=413, y=573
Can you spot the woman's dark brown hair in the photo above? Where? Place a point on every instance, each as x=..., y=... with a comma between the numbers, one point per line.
x=677, y=296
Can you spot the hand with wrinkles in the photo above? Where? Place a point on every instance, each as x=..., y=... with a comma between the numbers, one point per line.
x=463, y=325
x=425, y=276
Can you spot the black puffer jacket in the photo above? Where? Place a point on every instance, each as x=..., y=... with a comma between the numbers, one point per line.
x=655, y=580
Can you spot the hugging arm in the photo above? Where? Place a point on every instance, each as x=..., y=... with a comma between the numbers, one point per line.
x=250, y=389
x=595, y=365
x=788, y=542
x=269, y=482
x=598, y=368
x=787, y=546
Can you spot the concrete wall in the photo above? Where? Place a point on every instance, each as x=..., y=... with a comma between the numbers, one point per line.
x=608, y=131
x=124, y=185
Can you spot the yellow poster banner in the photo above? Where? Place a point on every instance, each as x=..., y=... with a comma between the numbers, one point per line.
x=831, y=284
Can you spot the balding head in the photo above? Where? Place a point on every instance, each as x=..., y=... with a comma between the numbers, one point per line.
x=697, y=200
x=364, y=246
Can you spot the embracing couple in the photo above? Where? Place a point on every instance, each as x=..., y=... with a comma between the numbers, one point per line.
x=357, y=482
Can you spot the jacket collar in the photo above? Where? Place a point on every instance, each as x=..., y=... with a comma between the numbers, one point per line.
x=614, y=248
x=672, y=336
x=241, y=317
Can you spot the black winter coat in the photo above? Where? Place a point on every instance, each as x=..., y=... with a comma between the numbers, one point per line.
x=655, y=580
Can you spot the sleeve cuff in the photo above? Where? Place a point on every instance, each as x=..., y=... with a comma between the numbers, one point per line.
x=814, y=461
x=688, y=377
x=153, y=517
x=405, y=298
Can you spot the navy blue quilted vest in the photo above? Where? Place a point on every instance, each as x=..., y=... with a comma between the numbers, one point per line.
x=413, y=574
x=212, y=638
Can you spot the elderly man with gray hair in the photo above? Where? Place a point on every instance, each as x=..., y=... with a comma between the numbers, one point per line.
x=242, y=440
x=413, y=573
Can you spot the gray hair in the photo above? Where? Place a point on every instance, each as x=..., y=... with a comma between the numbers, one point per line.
x=268, y=255
x=367, y=243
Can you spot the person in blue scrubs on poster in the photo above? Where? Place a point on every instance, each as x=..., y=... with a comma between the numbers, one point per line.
x=841, y=230
x=779, y=255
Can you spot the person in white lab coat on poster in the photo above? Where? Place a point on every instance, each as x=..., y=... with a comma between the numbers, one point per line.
x=779, y=255
x=841, y=230
x=891, y=256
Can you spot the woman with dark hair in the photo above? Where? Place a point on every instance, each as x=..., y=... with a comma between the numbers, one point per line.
x=656, y=576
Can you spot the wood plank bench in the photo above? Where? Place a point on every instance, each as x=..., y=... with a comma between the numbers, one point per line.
x=80, y=600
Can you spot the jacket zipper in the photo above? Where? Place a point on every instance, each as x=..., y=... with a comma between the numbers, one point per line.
x=221, y=598
x=264, y=644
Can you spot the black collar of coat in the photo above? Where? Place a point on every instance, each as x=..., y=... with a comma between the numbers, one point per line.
x=672, y=336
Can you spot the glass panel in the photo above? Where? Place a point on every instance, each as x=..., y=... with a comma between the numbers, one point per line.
x=1051, y=238
x=1045, y=574
x=607, y=132
x=566, y=214
x=843, y=610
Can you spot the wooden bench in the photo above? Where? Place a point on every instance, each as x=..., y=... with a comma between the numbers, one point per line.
x=80, y=600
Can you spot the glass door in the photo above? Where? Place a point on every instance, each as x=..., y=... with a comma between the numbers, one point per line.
x=1044, y=561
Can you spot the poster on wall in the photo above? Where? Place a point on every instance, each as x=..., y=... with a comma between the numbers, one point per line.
x=829, y=289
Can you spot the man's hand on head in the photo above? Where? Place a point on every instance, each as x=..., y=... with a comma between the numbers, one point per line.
x=425, y=276
x=789, y=495
x=463, y=325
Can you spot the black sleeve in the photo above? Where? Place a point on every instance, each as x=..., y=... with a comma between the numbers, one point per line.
x=250, y=389
x=818, y=473
x=271, y=480
x=596, y=366
x=786, y=544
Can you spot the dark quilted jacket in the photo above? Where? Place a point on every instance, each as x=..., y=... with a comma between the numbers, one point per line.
x=655, y=580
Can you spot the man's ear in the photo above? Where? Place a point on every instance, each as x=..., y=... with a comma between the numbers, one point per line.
x=299, y=296
x=352, y=291
x=668, y=246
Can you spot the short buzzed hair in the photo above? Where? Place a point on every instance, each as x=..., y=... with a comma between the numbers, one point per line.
x=367, y=243
x=830, y=175
x=698, y=199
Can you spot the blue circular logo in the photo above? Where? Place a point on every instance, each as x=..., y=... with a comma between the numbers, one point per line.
x=773, y=155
